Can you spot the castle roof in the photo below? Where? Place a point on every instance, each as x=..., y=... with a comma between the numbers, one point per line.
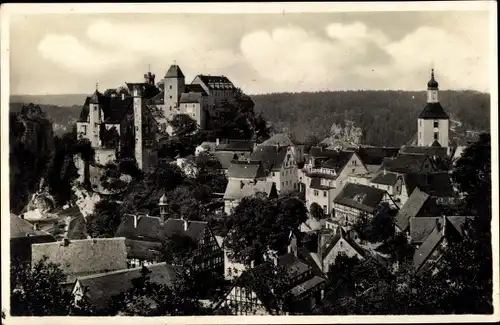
x=216, y=82
x=433, y=111
x=191, y=98
x=174, y=72
x=113, y=108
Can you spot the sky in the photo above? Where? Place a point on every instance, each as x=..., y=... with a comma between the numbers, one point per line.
x=260, y=53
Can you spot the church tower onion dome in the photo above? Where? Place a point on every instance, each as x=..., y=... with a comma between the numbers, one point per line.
x=432, y=84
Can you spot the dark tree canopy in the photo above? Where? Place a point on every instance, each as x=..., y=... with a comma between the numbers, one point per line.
x=258, y=225
x=105, y=219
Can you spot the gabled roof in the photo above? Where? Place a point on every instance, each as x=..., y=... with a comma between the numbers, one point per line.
x=421, y=227
x=429, y=151
x=191, y=98
x=85, y=256
x=151, y=229
x=336, y=161
x=405, y=163
x=174, y=72
x=159, y=99
x=376, y=155
x=433, y=111
x=281, y=139
x=235, y=145
x=216, y=82
x=113, y=108
x=425, y=250
x=411, y=208
x=20, y=228
x=225, y=158
x=101, y=287
x=341, y=234
x=361, y=197
x=385, y=178
x=248, y=169
x=435, y=144
x=271, y=157
x=195, y=88
x=436, y=184
x=237, y=189
x=143, y=250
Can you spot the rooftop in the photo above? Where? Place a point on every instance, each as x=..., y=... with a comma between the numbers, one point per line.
x=361, y=197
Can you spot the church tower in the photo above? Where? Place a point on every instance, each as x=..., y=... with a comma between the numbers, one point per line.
x=433, y=123
x=174, y=83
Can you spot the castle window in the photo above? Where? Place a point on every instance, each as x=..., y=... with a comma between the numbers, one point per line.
x=170, y=87
x=436, y=135
x=436, y=124
x=170, y=97
x=316, y=192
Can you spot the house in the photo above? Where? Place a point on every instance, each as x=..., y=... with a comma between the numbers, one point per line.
x=257, y=292
x=422, y=227
x=22, y=235
x=242, y=149
x=418, y=205
x=433, y=123
x=336, y=243
x=444, y=234
x=100, y=288
x=283, y=140
x=373, y=157
x=431, y=151
x=391, y=182
x=280, y=165
x=239, y=189
x=356, y=200
x=83, y=257
x=326, y=172
x=111, y=122
x=437, y=184
x=145, y=236
x=408, y=163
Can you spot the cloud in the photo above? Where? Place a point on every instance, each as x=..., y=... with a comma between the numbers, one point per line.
x=336, y=56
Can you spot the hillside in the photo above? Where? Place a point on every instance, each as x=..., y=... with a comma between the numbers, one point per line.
x=385, y=117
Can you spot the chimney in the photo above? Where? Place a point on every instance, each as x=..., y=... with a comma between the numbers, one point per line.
x=123, y=96
x=22, y=216
x=322, y=294
x=136, y=220
x=36, y=226
x=185, y=225
x=248, y=160
x=217, y=141
x=385, y=171
x=252, y=264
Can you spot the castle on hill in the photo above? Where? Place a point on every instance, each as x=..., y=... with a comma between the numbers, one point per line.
x=112, y=123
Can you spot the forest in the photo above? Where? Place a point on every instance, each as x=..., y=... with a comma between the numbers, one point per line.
x=386, y=117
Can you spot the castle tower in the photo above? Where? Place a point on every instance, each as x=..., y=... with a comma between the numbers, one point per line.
x=174, y=83
x=137, y=95
x=95, y=119
x=163, y=208
x=433, y=122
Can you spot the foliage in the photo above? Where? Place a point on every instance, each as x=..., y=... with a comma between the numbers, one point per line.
x=147, y=298
x=316, y=211
x=110, y=138
x=104, y=221
x=258, y=225
x=36, y=291
x=386, y=117
x=128, y=166
x=30, y=145
x=380, y=228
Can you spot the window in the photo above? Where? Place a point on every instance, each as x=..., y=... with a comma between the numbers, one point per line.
x=274, y=174
x=170, y=96
x=436, y=135
x=436, y=124
x=353, y=170
x=324, y=193
x=170, y=87
x=316, y=192
x=84, y=129
x=282, y=184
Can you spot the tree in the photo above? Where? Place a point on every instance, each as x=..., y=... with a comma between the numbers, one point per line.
x=380, y=228
x=104, y=221
x=36, y=291
x=147, y=298
x=262, y=131
x=179, y=250
x=183, y=125
x=258, y=225
x=316, y=211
